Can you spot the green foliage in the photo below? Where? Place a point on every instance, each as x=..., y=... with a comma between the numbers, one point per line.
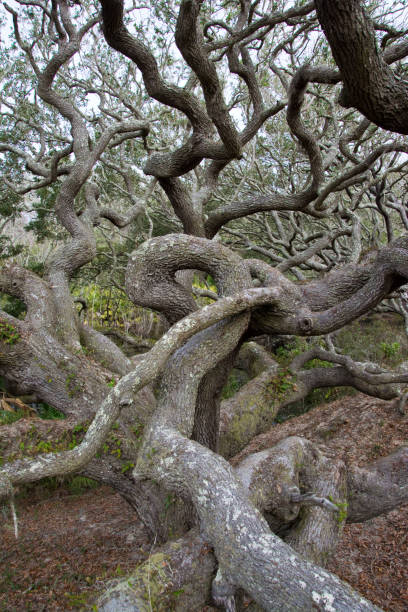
x=113, y=446
x=33, y=443
x=45, y=411
x=73, y=485
x=106, y=305
x=128, y=465
x=342, y=510
x=8, y=333
x=44, y=446
x=234, y=383
x=80, y=484
x=378, y=338
x=138, y=431
x=36, y=266
x=286, y=353
x=8, y=249
x=7, y=417
x=72, y=386
x=208, y=284
x=43, y=223
x=76, y=600
x=390, y=350
x=283, y=382
x=373, y=338
x=282, y=353
x=12, y=306
x=317, y=363
x=9, y=203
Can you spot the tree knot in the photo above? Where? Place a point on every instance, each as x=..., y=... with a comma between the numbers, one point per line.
x=305, y=324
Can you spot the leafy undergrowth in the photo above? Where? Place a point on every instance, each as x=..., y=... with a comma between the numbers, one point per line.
x=70, y=544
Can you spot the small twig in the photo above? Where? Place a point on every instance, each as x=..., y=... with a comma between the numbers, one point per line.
x=148, y=575
x=330, y=344
x=6, y=490
x=205, y=293
x=402, y=400
x=14, y=515
x=314, y=500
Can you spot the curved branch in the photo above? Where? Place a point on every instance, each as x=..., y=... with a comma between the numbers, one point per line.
x=368, y=373
x=183, y=206
x=122, y=220
x=190, y=561
x=379, y=487
x=318, y=246
x=369, y=83
x=33, y=291
x=323, y=306
x=121, y=396
x=388, y=272
x=297, y=92
x=239, y=209
x=150, y=273
x=254, y=408
x=190, y=43
x=118, y=37
x=266, y=21
x=104, y=350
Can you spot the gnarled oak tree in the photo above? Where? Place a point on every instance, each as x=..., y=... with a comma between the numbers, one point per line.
x=214, y=135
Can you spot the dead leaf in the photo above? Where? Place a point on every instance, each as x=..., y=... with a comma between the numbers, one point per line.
x=21, y=405
x=5, y=405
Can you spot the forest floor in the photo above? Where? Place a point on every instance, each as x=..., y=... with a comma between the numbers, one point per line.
x=70, y=545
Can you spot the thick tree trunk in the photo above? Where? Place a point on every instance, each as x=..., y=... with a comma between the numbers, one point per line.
x=243, y=543
x=272, y=478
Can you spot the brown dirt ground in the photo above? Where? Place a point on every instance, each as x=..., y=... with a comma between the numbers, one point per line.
x=70, y=544
x=67, y=545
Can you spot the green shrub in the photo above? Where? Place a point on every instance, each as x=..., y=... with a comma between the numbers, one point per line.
x=236, y=380
x=45, y=411
x=80, y=484
x=12, y=306
x=8, y=333
x=378, y=338
x=390, y=350
x=7, y=418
